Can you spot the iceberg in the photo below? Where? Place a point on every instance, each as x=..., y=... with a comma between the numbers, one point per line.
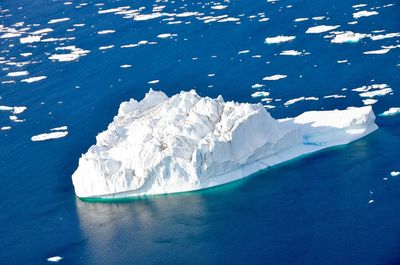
x=187, y=142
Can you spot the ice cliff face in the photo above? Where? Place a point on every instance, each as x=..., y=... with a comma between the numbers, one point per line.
x=187, y=142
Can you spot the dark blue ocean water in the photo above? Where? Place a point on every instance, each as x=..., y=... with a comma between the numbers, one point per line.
x=339, y=206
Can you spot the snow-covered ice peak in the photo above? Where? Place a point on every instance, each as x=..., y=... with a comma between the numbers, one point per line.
x=187, y=142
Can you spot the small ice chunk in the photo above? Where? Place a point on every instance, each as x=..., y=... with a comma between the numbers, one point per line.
x=292, y=101
x=19, y=73
x=166, y=35
x=364, y=13
x=291, y=53
x=381, y=51
x=218, y=7
x=321, y=28
x=33, y=79
x=30, y=39
x=58, y=20
x=61, y=128
x=54, y=259
x=106, y=31
x=257, y=86
x=49, y=136
x=394, y=173
x=279, y=39
x=153, y=81
x=274, y=77
x=260, y=94
x=369, y=101
x=301, y=19
x=390, y=112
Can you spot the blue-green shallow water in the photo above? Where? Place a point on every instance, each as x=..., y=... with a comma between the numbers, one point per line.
x=313, y=210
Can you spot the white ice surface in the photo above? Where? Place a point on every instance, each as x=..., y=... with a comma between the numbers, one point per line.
x=186, y=142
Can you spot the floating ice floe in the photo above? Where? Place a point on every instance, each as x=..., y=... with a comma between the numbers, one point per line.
x=126, y=66
x=219, y=7
x=166, y=35
x=106, y=31
x=56, y=133
x=381, y=51
x=301, y=19
x=394, y=173
x=369, y=101
x=279, y=39
x=58, y=20
x=33, y=79
x=335, y=96
x=54, y=259
x=390, y=112
x=274, y=77
x=30, y=39
x=106, y=47
x=19, y=73
x=257, y=86
x=186, y=142
x=359, y=5
x=260, y=94
x=321, y=28
x=74, y=54
x=385, y=36
x=153, y=82
x=347, y=37
x=290, y=53
x=373, y=90
x=292, y=101
x=364, y=13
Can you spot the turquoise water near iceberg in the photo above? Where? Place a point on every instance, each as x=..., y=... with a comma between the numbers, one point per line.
x=339, y=206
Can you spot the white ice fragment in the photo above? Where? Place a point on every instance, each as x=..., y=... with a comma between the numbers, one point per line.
x=58, y=20
x=321, y=28
x=390, y=112
x=106, y=31
x=106, y=47
x=279, y=39
x=260, y=94
x=364, y=13
x=54, y=259
x=30, y=39
x=166, y=35
x=126, y=66
x=292, y=101
x=19, y=73
x=291, y=53
x=257, y=86
x=301, y=19
x=348, y=37
x=244, y=51
x=274, y=77
x=61, y=128
x=33, y=79
x=381, y=51
x=369, y=101
x=395, y=173
x=218, y=7
x=153, y=81
x=48, y=136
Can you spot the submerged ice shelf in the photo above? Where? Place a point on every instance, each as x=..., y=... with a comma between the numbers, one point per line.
x=186, y=142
